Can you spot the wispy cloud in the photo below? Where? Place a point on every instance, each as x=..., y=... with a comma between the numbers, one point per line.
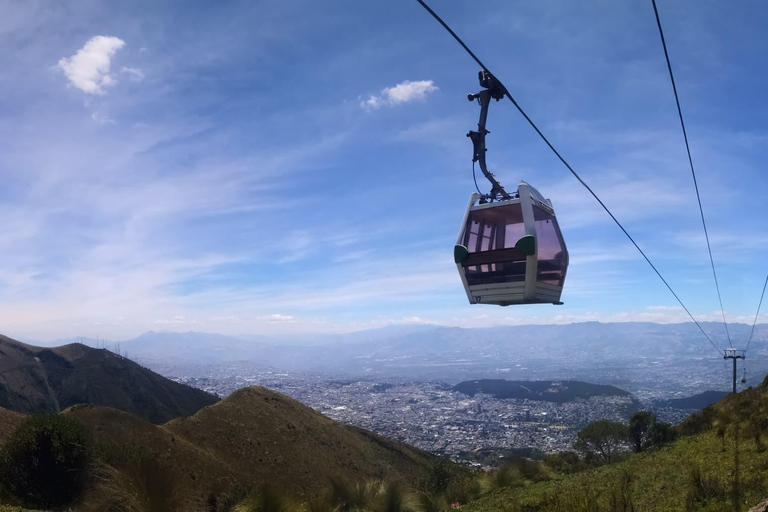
x=88, y=69
x=134, y=74
x=401, y=93
x=222, y=198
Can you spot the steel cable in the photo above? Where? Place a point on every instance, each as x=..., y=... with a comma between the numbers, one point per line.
x=568, y=166
x=690, y=162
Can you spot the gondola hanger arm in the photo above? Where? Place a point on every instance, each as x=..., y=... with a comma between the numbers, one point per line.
x=492, y=89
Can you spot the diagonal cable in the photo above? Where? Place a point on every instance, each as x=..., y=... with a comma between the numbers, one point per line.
x=756, y=315
x=693, y=172
x=568, y=166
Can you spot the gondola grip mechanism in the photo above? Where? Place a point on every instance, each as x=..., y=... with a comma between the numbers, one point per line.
x=493, y=89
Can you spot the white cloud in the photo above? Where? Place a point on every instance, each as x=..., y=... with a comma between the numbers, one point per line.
x=88, y=69
x=102, y=118
x=277, y=317
x=134, y=74
x=401, y=93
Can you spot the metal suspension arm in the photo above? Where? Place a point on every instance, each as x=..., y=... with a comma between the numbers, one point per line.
x=493, y=89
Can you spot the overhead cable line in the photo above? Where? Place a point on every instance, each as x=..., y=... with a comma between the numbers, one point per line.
x=756, y=315
x=690, y=162
x=568, y=166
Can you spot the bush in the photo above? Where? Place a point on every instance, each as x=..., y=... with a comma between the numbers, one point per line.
x=698, y=422
x=702, y=488
x=565, y=462
x=437, y=478
x=532, y=470
x=463, y=490
x=505, y=476
x=45, y=461
x=394, y=497
x=268, y=499
x=432, y=503
x=350, y=496
x=136, y=486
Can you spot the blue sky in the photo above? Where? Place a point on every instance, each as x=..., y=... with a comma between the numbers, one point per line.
x=298, y=167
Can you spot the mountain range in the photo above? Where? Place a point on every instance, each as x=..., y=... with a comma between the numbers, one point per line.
x=633, y=355
x=37, y=380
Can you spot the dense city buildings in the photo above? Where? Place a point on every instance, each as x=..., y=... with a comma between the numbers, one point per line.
x=431, y=415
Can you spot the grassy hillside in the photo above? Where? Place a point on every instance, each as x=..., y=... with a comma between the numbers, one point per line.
x=696, y=473
x=252, y=438
x=275, y=438
x=37, y=380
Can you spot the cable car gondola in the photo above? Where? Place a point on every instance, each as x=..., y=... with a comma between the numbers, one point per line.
x=510, y=249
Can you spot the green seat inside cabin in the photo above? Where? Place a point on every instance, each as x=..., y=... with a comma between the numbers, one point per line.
x=526, y=246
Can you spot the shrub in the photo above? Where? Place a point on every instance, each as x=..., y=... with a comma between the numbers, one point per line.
x=463, y=490
x=581, y=498
x=45, y=461
x=505, y=476
x=432, y=503
x=268, y=499
x=702, y=488
x=697, y=422
x=662, y=433
x=565, y=462
x=532, y=470
x=437, y=478
x=394, y=497
x=620, y=498
x=350, y=496
x=140, y=485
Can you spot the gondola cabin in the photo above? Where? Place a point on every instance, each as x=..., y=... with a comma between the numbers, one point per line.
x=511, y=251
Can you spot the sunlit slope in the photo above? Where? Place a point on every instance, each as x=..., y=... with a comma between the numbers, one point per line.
x=693, y=473
x=38, y=380
x=253, y=437
x=274, y=438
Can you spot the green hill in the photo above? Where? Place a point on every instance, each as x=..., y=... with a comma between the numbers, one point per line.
x=698, y=401
x=37, y=380
x=549, y=391
x=254, y=437
x=695, y=473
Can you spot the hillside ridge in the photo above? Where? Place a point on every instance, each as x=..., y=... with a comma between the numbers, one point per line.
x=558, y=391
x=254, y=437
x=46, y=380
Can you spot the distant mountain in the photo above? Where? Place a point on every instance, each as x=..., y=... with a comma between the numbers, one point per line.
x=636, y=356
x=253, y=437
x=548, y=391
x=699, y=401
x=36, y=380
x=426, y=349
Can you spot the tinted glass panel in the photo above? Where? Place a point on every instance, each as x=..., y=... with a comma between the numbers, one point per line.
x=553, y=259
x=491, y=229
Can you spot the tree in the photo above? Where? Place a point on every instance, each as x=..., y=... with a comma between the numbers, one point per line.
x=603, y=437
x=45, y=461
x=639, y=430
x=646, y=431
x=662, y=433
